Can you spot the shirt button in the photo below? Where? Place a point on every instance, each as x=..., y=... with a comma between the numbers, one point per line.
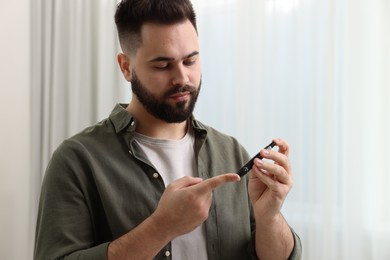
x=155, y=175
x=167, y=253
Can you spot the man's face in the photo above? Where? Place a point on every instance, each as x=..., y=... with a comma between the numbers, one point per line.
x=159, y=106
x=166, y=71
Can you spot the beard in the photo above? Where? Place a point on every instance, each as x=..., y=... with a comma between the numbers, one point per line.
x=158, y=105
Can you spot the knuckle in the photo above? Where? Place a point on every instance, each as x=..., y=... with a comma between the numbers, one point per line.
x=211, y=183
x=187, y=178
x=280, y=171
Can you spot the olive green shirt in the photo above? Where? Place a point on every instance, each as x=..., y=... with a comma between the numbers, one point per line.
x=99, y=185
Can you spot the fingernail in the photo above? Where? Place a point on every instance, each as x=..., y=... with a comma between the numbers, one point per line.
x=266, y=152
x=258, y=162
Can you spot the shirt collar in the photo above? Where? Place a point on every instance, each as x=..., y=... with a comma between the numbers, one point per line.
x=121, y=119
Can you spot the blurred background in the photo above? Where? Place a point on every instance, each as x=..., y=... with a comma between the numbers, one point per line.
x=313, y=72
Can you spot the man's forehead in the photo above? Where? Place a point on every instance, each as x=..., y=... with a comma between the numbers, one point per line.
x=156, y=33
x=175, y=40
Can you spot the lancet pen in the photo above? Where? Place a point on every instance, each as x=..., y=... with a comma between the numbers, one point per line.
x=248, y=166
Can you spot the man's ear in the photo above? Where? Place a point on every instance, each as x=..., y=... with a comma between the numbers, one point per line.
x=124, y=64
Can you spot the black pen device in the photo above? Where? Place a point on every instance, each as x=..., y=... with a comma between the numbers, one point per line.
x=248, y=166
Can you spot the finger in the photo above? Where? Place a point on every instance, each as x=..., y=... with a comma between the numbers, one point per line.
x=184, y=182
x=265, y=177
x=272, y=182
x=284, y=147
x=279, y=158
x=212, y=183
x=273, y=170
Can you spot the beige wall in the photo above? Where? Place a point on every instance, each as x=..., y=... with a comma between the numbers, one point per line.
x=16, y=238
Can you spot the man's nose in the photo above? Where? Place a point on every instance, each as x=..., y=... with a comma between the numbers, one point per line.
x=180, y=76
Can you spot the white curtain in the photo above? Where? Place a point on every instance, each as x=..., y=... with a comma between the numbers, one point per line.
x=314, y=72
x=75, y=77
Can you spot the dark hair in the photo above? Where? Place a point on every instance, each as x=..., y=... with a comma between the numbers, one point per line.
x=132, y=14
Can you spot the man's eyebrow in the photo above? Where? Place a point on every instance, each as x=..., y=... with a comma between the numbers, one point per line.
x=194, y=53
x=167, y=59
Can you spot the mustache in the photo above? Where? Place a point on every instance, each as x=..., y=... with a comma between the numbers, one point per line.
x=179, y=89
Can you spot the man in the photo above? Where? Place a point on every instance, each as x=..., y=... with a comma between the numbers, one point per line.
x=150, y=181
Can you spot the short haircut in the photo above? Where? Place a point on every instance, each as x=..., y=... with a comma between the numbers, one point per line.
x=132, y=14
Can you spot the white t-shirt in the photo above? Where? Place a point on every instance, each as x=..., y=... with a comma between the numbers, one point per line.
x=174, y=159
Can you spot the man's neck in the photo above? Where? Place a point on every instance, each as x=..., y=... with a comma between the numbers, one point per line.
x=153, y=127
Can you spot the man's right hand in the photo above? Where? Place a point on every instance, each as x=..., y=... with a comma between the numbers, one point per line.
x=183, y=206
x=186, y=202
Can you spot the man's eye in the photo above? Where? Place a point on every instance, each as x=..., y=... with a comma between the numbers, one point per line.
x=162, y=66
x=189, y=62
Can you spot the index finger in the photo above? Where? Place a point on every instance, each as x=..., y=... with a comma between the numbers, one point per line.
x=214, y=182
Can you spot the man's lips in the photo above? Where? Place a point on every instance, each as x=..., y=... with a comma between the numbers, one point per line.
x=182, y=96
